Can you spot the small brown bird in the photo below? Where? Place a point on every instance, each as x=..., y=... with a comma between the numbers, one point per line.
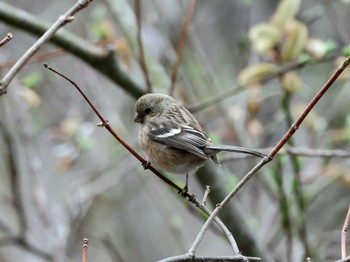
x=172, y=138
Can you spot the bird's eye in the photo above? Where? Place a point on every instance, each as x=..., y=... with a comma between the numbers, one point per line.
x=148, y=110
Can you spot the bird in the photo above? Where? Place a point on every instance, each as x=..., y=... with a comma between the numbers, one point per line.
x=172, y=138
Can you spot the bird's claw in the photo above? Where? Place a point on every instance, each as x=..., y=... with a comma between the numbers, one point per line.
x=146, y=164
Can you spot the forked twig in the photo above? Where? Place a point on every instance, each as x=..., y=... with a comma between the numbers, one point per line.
x=270, y=156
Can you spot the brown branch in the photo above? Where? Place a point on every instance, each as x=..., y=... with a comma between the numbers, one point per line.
x=140, y=46
x=309, y=107
x=85, y=249
x=6, y=39
x=343, y=234
x=270, y=156
x=181, y=44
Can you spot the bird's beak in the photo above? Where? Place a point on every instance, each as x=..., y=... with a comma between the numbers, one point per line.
x=138, y=118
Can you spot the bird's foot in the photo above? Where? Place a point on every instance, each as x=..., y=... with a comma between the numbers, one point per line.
x=146, y=165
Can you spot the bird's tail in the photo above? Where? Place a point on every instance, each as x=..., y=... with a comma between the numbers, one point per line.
x=214, y=149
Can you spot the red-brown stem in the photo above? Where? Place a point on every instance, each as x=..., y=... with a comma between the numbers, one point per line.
x=110, y=129
x=309, y=107
x=181, y=44
x=85, y=248
x=343, y=234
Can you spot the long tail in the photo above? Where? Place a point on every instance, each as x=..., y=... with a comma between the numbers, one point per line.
x=214, y=149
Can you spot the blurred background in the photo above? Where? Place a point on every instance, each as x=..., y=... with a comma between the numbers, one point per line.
x=64, y=178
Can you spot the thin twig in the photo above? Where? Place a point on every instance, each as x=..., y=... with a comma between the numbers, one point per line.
x=85, y=249
x=142, y=59
x=343, y=234
x=270, y=156
x=6, y=39
x=61, y=21
x=181, y=44
x=187, y=195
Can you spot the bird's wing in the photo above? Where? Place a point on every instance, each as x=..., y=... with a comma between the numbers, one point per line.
x=184, y=138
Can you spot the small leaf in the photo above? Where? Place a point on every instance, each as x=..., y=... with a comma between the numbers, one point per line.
x=286, y=10
x=264, y=37
x=255, y=73
x=296, y=38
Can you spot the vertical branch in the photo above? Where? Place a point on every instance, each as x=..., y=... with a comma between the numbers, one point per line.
x=140, y=46
x=343, y=234
x=85, y=248
x=181, y=44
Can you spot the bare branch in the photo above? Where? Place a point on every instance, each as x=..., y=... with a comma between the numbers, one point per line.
x=84, y=249
x=61, y=21
x=270, y=156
